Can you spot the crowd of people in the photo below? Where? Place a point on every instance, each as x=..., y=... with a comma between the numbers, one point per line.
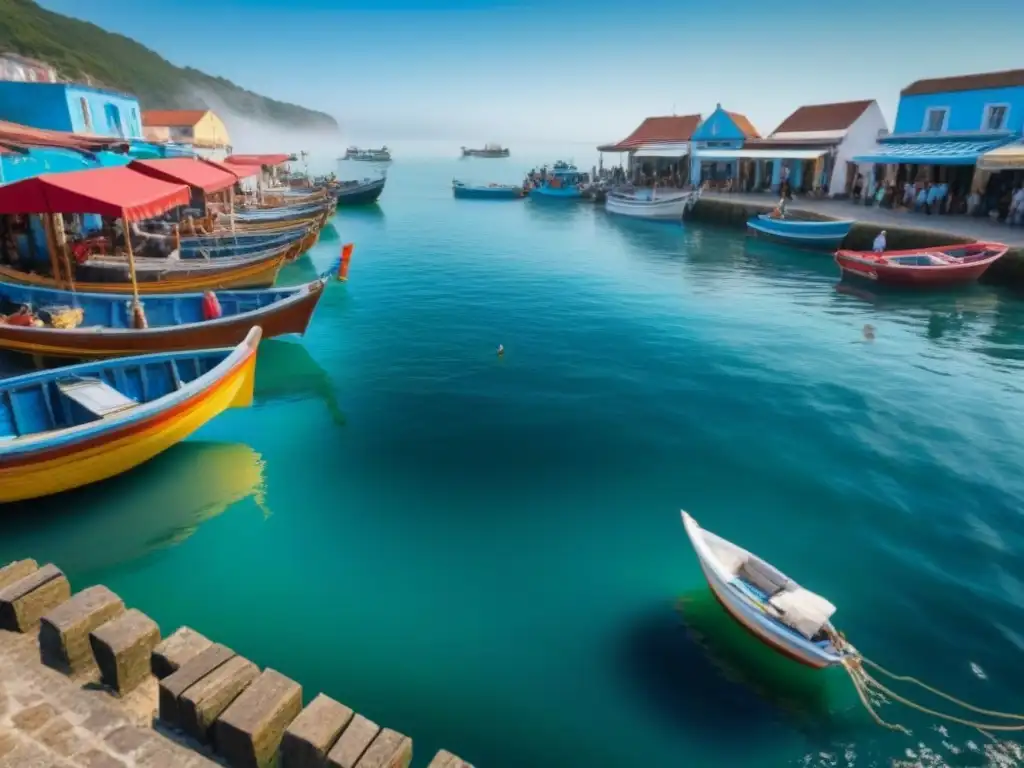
x=999, y=201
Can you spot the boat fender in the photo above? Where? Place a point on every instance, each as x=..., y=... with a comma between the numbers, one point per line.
x=211, y=306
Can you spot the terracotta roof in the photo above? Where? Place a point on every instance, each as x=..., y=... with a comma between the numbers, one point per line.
x=823, y=117
x=1006, y=79
x=743, y=123
x=27, y=136
x=179, y=118
x=660, y=130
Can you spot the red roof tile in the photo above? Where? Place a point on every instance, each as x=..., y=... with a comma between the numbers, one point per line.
x=660, y=130
x=743, y=123
x=1006, y=79
x=823, y=117
x=177, y=118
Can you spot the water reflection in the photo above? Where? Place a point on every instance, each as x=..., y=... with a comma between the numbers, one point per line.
x=159, y=504
x=556, y=210
x=355, y=214
x=286, y=371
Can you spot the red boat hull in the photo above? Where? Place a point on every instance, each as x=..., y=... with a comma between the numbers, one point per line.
x=964, y=264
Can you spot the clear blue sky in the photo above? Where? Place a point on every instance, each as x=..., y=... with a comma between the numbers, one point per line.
x=569, y=70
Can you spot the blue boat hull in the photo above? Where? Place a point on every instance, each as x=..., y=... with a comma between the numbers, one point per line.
x=487, y=193
x=556, y=193
x=818, y=235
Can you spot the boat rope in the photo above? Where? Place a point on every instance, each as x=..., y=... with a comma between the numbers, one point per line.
x=865, y=684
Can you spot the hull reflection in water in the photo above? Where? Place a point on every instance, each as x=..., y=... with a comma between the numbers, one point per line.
x=159, y=504
x=288, y=372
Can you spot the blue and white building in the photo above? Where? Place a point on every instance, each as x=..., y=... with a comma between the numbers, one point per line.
x=946, y=126
x=71, y=107
x=722, y=131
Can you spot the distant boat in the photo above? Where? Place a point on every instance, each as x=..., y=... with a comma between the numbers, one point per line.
x=562, y=182
x=489, y=150
x=667, y=205
x=487, y=191
x=359, y=192
x=941, y=265
x=68, y=427
x=805, y=233
x=775, y=609
x=381, y=155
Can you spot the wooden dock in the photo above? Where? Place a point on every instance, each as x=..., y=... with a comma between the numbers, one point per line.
x=87, y=682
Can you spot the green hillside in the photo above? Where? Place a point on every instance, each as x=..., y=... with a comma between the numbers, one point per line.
x=82, y=50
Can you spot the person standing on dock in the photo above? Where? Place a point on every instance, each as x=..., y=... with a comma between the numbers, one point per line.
x=879, y=245
x=1016, y=214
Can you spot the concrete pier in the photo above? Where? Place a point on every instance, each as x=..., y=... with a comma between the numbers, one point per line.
x=85, y=682
x=903, y=230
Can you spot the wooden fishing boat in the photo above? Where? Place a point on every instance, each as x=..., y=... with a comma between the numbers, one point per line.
x=225, y=244
x=803, y=233
x=775, y=609
x=563, y=182
x=86, y=325
x=72, y=426
x=489, y=150
x=363, y=192
x=318, y=212
x=487, y=191
x=942, y=265
x=651, y=204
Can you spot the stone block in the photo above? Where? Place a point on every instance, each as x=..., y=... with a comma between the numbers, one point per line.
x=122, y=649
x=249, y=731
x=17, y=570
x=445, y=759
x=352, y=743
x=190, y=673
x=24, y=601
x=64, y=630
x=176, y=650
x=202, y=703
x=311, y=735
x=390, y=749
x=33, y=718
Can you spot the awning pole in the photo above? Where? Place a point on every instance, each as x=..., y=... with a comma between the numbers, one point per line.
x=138, y=315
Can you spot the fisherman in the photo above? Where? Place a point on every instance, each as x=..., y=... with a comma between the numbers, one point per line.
x=879, y=244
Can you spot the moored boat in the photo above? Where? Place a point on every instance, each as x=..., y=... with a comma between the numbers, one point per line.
x=489, y=150
x=69, y=427
x=85, y=325
x=382, y=155
x=938, y=266
x=487, y=191
x=775, y=609
x=562, y=182
x=651, y=203
x=804, y=233
x=363, y=192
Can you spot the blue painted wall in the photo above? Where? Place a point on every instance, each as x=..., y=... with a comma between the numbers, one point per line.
x=966, y=109
x=718, y=127
x=15, y=167
x=40, y=105
x=110, y=114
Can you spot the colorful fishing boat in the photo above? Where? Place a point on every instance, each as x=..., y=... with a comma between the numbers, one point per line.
x=939, y=266
x=562, y=182
x=804, y=233
x=221, y=244
x=382, y=155
x=487, y=191
x=775, y=609
x=651, y=203
x=489, y=150
x=69, y=427
x=287, y=213
x=87, y=325
x=348, y=193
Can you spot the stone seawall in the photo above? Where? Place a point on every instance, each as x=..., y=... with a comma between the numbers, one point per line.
x=86, y=681
x=734, y=213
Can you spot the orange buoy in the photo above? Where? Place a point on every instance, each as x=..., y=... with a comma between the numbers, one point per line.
x=211, y=306
x=346, y=256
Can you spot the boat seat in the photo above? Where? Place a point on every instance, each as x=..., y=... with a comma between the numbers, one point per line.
x=803, y=610
x=767, y=579
x=95, y=396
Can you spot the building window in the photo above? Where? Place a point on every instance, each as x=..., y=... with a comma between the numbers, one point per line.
x=935, y=119
x=995, y=117
x=86, y=117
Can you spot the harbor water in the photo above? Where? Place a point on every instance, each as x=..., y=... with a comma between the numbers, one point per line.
x=485, y=552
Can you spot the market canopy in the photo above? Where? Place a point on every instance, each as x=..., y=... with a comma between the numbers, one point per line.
x=257, y=159
x=239, y=171
x=760, y=154
x=930, y=152
x=185, y=170
x=667, y=149
x=111, y=192
x=1008, y=158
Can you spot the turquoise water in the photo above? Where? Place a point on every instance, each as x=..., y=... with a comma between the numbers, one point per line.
x=486, y=553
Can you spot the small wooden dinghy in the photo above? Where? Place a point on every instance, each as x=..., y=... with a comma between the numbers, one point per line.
x=771, y=606
x=942, y=265
x=72, y=426
x=803, y=233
